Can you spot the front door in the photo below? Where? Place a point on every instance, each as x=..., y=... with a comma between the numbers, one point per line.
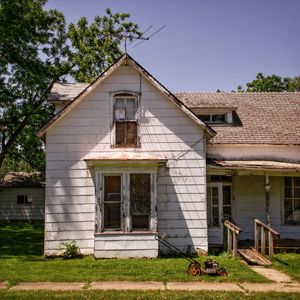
x=218, y=207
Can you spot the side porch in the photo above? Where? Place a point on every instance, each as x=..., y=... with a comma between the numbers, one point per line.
x=241, y=191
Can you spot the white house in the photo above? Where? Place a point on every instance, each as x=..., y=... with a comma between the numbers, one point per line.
x=127, y=159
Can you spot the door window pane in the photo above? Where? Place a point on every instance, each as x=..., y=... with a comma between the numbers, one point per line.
x=112, y=202
x=140, y=198
x=213, y=206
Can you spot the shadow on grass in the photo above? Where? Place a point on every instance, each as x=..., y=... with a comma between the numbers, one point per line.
x=21, y=240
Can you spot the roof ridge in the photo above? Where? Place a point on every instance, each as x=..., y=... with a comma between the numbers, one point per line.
x=236, y=93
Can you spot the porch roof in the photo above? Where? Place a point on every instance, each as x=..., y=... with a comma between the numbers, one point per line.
x=260, y=165
x=126, y=157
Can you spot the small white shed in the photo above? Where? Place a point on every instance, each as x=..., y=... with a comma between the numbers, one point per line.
x=22, y=197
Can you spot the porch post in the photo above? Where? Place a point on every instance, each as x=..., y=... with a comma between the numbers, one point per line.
x=267, y=196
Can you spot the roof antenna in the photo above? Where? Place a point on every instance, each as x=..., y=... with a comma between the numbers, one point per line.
x=148, y=38
x=142, y=39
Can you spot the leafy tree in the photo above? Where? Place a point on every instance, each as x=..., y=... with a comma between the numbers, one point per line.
x=272, y=83
x=96, y=46
x=33, y=55
x=36, y=50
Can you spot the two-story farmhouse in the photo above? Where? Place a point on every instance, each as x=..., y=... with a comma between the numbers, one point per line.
x=127, y=159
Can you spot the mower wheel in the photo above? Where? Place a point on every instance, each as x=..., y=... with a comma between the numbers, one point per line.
x=222, y=272
x=194, y=269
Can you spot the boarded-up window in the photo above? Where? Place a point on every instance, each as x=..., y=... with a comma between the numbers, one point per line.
x=24, y=199
x=292, y=200
x=112, y=202
x=125, y=121
x=140, y=199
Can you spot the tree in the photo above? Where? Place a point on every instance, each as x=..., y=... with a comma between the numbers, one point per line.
x=33, y=55
x=36, y=50
x=272, y=83
x=96, y=46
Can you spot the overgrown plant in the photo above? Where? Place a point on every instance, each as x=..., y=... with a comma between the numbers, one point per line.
x=69, y=249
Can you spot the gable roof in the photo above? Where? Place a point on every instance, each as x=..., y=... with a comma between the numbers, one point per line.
x=127, y=60
x=259, y=118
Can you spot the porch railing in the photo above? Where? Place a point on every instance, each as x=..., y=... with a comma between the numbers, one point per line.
x=232, y=237
x=265, y=231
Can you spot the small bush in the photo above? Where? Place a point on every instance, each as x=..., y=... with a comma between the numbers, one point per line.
x=69, y=249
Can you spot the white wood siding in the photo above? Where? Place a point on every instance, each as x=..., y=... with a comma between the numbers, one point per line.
x=10, y=210
x=249, y=203
x=85, y=132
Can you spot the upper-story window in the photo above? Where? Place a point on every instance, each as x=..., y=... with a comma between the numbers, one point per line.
x=215, y=119
x=126, y=121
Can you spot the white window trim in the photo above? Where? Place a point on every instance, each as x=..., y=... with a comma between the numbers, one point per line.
x=113, y=97
x=283, y=222
x=220, y=186
x=125, y=196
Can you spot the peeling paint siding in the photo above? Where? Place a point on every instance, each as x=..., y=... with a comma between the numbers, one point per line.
x=165, y=131
x=10, y=210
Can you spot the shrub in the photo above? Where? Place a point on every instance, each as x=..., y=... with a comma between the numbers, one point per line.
x=69, y=249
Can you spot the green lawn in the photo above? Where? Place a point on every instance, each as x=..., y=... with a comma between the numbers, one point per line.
x=143, y=295
x=21, y=248
x=288, y=263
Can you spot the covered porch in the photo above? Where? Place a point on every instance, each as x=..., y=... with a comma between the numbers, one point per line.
x=241, y=191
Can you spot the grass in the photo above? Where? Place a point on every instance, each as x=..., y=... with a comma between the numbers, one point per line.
x=143, y=295
x=21, y=249
x=288, y=263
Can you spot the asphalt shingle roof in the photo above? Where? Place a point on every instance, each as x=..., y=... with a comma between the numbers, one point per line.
x=259, y=118
x=263, y=118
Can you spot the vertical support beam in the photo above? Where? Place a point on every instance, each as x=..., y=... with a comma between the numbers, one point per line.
x=234, y=244
x=256, y=236
x=229, y=240
x=271, y=244
x=267, y=195
x=126, y=218
x=263, y=241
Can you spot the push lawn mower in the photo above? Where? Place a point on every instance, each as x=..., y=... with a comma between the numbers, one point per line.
x=211, y=267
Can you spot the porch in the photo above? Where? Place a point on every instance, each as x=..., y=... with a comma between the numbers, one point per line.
x=241, y=191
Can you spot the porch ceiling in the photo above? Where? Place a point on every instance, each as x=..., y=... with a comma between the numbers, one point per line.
x=259, y=165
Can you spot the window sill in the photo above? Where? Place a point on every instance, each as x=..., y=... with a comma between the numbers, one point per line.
x=126, y=146
x=114, y=233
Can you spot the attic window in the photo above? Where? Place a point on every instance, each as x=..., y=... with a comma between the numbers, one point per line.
x=125, y=119
x=214, y=119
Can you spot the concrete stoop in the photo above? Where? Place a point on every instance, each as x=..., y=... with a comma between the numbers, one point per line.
x=293, y=287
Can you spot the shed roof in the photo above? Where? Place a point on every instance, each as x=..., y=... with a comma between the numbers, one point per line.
x=23, y=179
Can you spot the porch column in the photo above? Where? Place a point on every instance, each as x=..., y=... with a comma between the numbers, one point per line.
x=267, y=196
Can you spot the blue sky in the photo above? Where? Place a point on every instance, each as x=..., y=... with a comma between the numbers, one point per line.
x=207, y=44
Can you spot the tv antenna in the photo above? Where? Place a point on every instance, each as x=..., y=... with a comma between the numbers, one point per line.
x=141, y=38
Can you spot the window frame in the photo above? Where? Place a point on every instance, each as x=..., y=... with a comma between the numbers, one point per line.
x=126, y=223
x=292, y=198
x=27, y=199
x=125, y=95
x=219, y=185
x=211, y=116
